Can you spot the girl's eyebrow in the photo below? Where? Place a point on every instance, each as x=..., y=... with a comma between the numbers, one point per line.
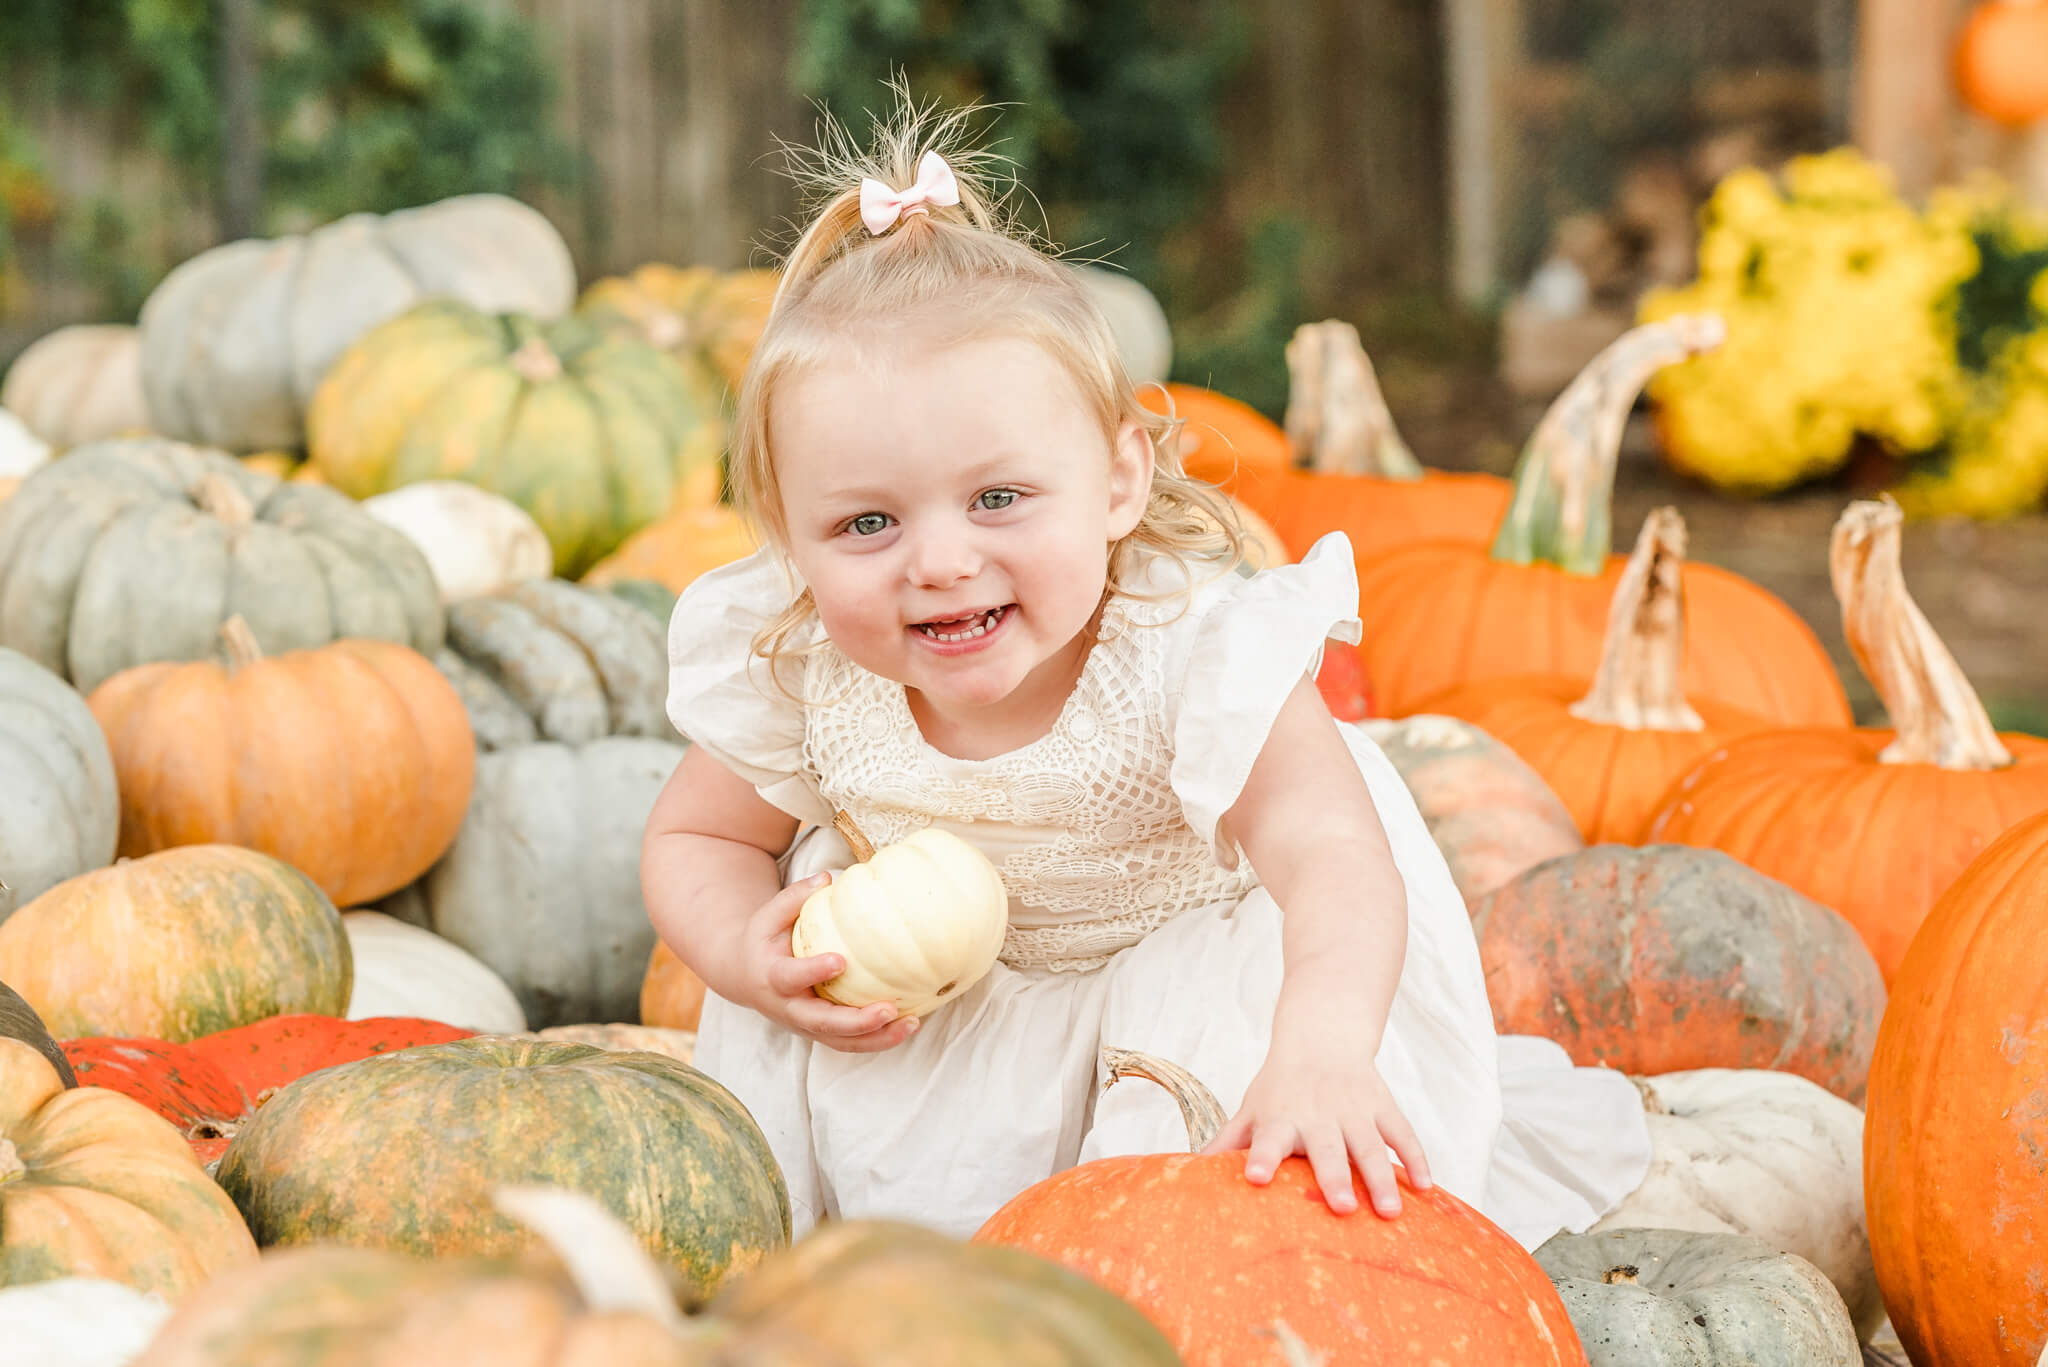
x=976, y=471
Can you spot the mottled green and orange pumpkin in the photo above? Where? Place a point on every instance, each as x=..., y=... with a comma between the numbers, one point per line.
x=178, y=944
x=352, y=762
x=1661, y=959
x=1611, y=745
x=361, y=1154
x=93, y=1185
x=1230, y=1271
x=587, y=430
x=706, y=318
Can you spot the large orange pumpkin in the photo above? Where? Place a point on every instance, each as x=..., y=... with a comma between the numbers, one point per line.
x=1236, y=1274
x=177, y=945
x=1440, y=615
x=1874, y=823
x=2001, y=63
x=351, y=762
x=671, y=995
x=1611, y=750
x=1663, y=959
x=1340, y=464
x=1956, y=1125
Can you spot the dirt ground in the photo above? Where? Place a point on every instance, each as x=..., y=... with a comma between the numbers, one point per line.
x=1984, y=586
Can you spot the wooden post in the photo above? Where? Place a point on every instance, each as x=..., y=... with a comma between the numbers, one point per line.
x=1905, y=110
x=1482, y=46
x=242, y=145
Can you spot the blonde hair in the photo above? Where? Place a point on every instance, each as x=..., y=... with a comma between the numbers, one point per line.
x=966, y=271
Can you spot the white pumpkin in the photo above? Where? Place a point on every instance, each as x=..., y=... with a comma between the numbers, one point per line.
x=79, y=384
x=1766, y=1154
x=22, y=452
x=1143, y=338
x=476, y=542
x=918, y=922
x=77, y=1322
x=403, y=970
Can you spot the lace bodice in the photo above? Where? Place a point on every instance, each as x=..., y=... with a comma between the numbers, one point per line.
x=1118, y=858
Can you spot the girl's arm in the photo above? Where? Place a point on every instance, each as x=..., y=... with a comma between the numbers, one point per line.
x=1306, y=821
x=709, y=879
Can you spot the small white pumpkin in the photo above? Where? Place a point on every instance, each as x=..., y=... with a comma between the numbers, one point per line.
x=476, y=542
x=403, y=970
x=1762, y=1153
x=77, y=1322
x=79, y=384
x=918, y=922
x=1143, y=337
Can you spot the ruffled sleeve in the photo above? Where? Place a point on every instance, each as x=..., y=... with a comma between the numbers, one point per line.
x=1248, y=644
x=723, y=697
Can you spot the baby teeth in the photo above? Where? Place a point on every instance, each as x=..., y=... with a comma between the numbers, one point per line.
x=980, y=629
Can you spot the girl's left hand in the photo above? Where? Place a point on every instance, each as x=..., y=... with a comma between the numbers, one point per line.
x=1325, y=1101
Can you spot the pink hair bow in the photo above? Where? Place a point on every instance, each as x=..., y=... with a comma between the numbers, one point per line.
x=881, y=206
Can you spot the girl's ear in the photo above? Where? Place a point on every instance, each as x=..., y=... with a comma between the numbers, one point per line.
x=1130, y=478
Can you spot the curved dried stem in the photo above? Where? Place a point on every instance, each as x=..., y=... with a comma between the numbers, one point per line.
x=535, y=361
x=12, y=1168
x=240, y=643
x=1937, y=716
x=1198, y=1105
x=605, y=1262
x=863, y=848
x=1337, y=419
x=1643, y=658
x=221, y=497
x=1563, y=508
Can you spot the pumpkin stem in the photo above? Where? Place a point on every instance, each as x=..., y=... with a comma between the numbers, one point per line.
x=536, y=362
x=863, y=848
x=609, y=1268
x=241, y=644
x=1198, y=1105
x=1294, y=1349
x=1637, y=686
x=1652, y=1103
x=1625, y=1275
x=1936, y=715
x=1563, y=507
x=1337, y=419
x=220, y=496
x=11, y=1167
x=665, y=329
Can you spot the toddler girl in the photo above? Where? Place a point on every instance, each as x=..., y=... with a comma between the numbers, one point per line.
x=989, y=601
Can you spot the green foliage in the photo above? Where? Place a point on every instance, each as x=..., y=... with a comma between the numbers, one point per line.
x=1111, y=120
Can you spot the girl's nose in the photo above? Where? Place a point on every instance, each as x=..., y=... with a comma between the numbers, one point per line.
x=942, y=556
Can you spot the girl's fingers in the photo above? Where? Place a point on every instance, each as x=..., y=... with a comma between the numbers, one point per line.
x=1400, y=1137
x=1370, y=1153
x=875, y=1041
x=816, y=1016
x=790, y=976
x=1331, y=1160
x=779, y=912
x=1271, y=1146
x=1235, y=1134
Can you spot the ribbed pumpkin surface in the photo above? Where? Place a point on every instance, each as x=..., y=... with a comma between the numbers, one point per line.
x=177, y=945
x=584, y=429
x=1957, y=1122
x=92, y=1184
x=1221, y=1265
x=401, y=1151
x=1661, y=959
x=1612, y=779
x=1877, y=842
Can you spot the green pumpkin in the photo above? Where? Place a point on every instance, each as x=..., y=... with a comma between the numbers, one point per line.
x=60, y=814
x=402, y=1150
x=1671, y=1298
x=588, y=431
x=134, y=550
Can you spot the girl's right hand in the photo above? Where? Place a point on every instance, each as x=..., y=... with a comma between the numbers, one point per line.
x=780, y=983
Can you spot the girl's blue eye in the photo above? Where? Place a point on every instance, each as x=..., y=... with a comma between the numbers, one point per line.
x=868, y=524
x=1003, y=498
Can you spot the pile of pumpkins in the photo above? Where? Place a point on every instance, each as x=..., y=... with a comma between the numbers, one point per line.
x=327, y=848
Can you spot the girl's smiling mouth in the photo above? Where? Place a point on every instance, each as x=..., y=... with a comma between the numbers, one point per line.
x=967, y=631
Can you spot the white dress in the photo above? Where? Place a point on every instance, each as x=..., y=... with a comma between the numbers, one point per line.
x=1132, y=923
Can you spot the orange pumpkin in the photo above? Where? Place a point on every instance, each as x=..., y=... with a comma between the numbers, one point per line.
x=1440, y=615
x=671, y=996
x=2001, y=64
x=1873, y=823
x=351, y=762
x=1340, y=464
x=1956, y=1124
x=1612, y=751
x=699, y=533
x=1227, y=1269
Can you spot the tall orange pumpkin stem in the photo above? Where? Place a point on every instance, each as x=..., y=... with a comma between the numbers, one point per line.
x=1938, y=717
x=1643, y=656
x=219, y=496
x=1337, y=419
x=1563, y=510
x=1198, y=1105
x=863, y=848
x=240, y=643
